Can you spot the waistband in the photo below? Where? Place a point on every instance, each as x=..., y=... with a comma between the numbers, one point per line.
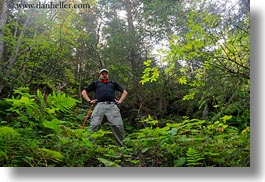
x=106, y=102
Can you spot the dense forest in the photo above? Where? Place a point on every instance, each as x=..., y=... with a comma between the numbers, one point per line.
x=184, y=64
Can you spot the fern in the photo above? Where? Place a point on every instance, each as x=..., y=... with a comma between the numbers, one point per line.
x=194, y=158
x=60, y=102
x=26, y=108
x=34, y=109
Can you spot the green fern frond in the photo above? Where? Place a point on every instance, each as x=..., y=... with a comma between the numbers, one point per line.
x=194, y=158
x=61, y=102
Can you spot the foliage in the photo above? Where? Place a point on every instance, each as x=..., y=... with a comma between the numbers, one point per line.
x=194, y=158
x=149, y=74
x=212, y=144
x=39, y=107
x=191, y=142
x=108, y=163
x=185, y=65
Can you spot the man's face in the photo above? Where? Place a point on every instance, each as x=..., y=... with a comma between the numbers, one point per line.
x=104, y=75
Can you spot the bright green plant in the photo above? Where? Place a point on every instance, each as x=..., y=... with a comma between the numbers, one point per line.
x=194, y=158
x=35, y=109
x=192, y=142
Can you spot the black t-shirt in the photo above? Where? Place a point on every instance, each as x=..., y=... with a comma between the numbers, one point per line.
x=104, y=91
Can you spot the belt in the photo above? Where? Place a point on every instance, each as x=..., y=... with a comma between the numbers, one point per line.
x=106, y=102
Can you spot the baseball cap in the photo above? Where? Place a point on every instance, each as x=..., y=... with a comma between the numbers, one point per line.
x=103, y=70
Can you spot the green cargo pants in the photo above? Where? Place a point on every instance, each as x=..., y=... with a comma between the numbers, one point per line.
x=112, y=113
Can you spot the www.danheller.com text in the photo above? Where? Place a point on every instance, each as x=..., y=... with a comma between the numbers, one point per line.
x=52, y=5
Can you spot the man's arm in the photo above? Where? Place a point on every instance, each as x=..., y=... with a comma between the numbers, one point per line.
x=85, y=92
x=86, y=97
x=122, y=98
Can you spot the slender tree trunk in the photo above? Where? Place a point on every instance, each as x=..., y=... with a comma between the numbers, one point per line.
x=3, y=19
x=134, y=59
x=15, y=53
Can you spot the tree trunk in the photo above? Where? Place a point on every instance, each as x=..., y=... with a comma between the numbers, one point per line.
x=3, y=19
x=7, y=66
x=15, y=53
x=134, y=59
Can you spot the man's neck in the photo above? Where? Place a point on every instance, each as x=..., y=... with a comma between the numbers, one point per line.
x=104, y=80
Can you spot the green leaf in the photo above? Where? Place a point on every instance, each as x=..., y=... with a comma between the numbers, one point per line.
x=108, y=163
x=179, y=162
x=225, y=118
x=53, y=124
x=50, y=154
x=189, y=96
x=182, y=80
x=145, y=149
x=147, y=62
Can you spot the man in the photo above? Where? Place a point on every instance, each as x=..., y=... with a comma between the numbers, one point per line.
x=106, y=104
